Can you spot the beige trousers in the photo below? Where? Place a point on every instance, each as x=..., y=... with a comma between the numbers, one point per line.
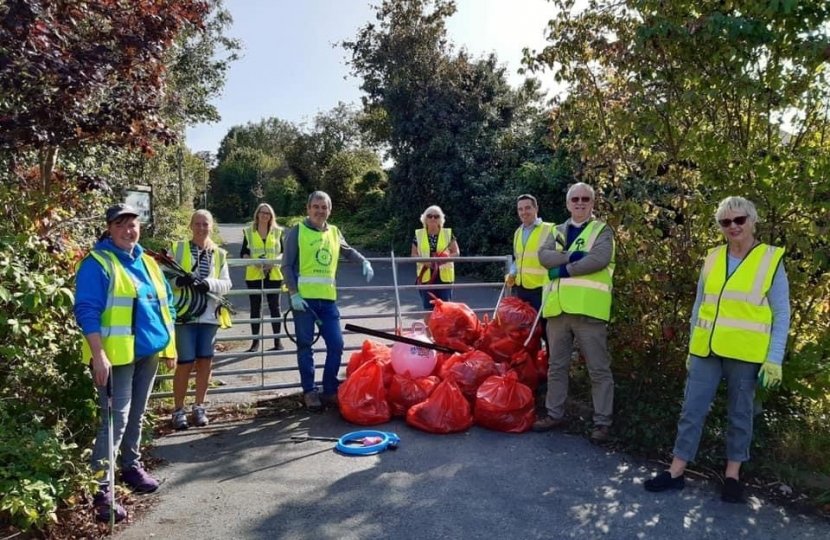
x=592, y=335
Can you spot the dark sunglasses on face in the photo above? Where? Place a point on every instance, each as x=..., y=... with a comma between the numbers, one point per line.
x=740, y=220
x=582, y=199
x=433, y=216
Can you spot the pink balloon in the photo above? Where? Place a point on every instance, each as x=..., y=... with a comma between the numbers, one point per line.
x=413, y=361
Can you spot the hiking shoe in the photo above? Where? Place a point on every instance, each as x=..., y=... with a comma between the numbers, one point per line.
x=312, y=401
x=331, y=400
x=138, y=479
x=199, y=415
x=179, y=419
x=732, y=492
x=548, y=423
x=101, y=507
x=664, y=481
x=601, y=434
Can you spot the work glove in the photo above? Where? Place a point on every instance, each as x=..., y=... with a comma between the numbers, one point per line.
x=770, y=375
x=298, y=303
x=185, y=281
x=574, y=256
x=201, y=286
x=558, y=272
x=509, y=280
x=368, y=273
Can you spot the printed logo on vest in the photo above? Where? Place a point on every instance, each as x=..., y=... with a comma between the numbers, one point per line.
x=323, y=256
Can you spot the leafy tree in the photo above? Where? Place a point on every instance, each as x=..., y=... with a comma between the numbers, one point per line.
x=86, y=72
x=671, y=107
x=449, y=122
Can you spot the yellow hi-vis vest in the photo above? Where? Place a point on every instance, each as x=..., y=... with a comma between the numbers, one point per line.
x=735, y=319
x=262, y=250
x=530, y=274
x=183, y=256
x=583, y=295
x=319, y=252
x=117, y=334
x=447, y=270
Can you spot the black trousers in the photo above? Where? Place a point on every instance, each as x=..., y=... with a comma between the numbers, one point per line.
x=273, y=300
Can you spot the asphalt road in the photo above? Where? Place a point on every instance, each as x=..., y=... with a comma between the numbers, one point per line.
x=247, y=480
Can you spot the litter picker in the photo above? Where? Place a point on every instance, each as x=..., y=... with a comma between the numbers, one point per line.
x=111, y=450
x=401, y=339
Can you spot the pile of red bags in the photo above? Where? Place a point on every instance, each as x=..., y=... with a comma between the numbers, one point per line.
x=491, y=383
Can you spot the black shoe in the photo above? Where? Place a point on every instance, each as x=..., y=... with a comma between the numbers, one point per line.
x=254, y=347
x=664, y=481
x=277, y=346
x=732, y=492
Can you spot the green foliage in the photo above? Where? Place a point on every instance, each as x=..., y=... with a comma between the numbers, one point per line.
x=672, y=107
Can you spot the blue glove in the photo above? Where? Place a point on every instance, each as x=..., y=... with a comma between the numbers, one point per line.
x=367, y=271
x=298, y=303
x=558, y=272
x=576, y=255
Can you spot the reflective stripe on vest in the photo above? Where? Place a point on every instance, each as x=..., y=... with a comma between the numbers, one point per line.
x=735, y=319
x=530, y=273
x=118, y=317
x=319, y=252
x=590, y=294
x=265, y=250
x=447, y=270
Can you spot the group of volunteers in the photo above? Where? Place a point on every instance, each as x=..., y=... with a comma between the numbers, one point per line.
x=127, y=312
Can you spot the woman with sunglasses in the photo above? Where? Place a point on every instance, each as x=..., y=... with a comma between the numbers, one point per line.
x=739, y=327
x=434, y=241
x=263, y=240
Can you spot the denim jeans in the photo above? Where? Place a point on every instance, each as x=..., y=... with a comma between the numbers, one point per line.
x=131, y=386
x=702, y=381
x=329, y=317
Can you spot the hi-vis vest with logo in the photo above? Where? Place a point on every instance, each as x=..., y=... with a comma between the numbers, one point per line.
x=447, y=270
x=262, y=250
x=530, y=274
x=319, y=252
x=117, y=319
x=583, y=295
x=735, y=319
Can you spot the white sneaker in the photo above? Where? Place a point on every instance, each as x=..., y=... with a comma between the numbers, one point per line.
x=179, y=419
x=199, y=416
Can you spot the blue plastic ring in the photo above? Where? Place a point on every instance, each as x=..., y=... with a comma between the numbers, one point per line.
x=387, y=439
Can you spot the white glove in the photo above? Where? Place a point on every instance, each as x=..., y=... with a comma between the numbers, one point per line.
x=368, y=273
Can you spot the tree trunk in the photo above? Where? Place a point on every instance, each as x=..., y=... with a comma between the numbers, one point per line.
x=48, y=156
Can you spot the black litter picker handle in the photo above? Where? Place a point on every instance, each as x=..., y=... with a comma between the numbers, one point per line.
x=401, y=339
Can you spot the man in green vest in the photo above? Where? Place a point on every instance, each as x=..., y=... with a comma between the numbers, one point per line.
x=527, y=276
x=309, y=266
x=577, y=304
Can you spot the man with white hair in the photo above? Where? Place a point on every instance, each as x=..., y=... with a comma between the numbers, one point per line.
x=577, y=304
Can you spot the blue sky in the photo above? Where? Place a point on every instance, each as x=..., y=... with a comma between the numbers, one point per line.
x=291, y=71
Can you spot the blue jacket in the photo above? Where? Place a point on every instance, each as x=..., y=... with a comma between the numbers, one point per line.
x=91, y=288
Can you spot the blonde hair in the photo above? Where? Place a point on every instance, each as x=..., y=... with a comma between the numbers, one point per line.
x=209, y=243
x=434, y=209
x=272, y=221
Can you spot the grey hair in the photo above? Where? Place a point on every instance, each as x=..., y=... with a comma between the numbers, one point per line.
x=320, y=195
x=434, y=209
x=739, y=205
x=580, y=185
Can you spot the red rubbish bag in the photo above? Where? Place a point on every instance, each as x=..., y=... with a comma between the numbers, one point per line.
x=405, y=392
x=505, y=404
x=469, y=370
x=371, y=350
x=454, y=325
x=445, y=411
x=362, y=396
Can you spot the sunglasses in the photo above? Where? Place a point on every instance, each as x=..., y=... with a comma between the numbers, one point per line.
x=740, y=220
x=433, y=216
x=580, y=199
